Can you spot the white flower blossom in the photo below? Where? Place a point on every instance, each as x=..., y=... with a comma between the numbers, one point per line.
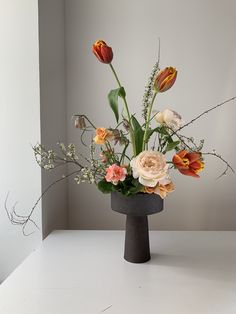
x=169, y=117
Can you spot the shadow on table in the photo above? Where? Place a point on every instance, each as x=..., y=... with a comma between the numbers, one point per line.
x=208, y=267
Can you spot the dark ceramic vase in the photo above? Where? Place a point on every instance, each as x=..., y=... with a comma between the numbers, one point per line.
x=136, y=208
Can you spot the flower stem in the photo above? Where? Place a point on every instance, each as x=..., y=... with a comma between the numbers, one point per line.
x=148, y=120
x=84, y=116
x=127, y=110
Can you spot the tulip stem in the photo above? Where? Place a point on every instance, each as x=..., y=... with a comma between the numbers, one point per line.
x=148, y=121
x=114, y=72
x=127, y=110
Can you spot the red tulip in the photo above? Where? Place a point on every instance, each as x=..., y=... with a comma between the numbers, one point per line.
x=187, y=163
x=102, y=51
x=165, y=79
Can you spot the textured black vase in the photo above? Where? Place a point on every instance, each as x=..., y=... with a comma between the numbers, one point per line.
x=136, y=208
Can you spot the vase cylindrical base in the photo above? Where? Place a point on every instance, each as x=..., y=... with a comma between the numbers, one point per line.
x=137, y=249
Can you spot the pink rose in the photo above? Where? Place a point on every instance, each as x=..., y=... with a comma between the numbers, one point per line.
x=115, y=174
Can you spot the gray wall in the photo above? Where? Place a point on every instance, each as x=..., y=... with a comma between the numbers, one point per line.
x=198, y=37
x=53, y=108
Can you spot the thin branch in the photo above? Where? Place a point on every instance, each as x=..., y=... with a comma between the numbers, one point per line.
x=205, y=112
x=107, y=308
x=228, y=166
x=17, y=219
x=179, y=137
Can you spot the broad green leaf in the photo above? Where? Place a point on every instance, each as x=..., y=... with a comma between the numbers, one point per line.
x=113, y=96
x=135, y=189
x=138, y=134
x=105, y=187
x=130, y=186
x=172, y=145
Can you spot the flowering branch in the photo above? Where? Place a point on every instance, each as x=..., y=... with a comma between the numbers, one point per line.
x=148, y=93
x=148, y=121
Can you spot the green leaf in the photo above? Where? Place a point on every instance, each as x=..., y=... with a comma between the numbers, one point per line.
x=113, y=96
x=162, y=130
x=158, y=129
x=135, y=189
x=105, y=187
x=138, y=134
x=172, y=145
x=150, y=132
x=130, y=189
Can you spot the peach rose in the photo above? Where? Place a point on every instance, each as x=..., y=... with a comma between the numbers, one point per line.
x=160, y=189
x=102, y=134
x=150, y=168
x=115, y=174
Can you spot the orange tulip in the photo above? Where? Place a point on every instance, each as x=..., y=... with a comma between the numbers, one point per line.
x=102, y=51
x=189, y=164
x=165, y=79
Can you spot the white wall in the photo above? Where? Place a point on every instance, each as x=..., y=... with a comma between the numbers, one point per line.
x=19, y=126
x=197, y=37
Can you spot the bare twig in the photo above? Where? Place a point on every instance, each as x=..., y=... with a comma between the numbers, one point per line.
x=22, y=220
x=107, y=308
x=228, y=166
x=205, y=112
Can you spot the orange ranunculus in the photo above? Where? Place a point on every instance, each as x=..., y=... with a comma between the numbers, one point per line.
x=189, y=164
x=102, y=51
x=160, y=189
x=102, y=134
x=165, y=79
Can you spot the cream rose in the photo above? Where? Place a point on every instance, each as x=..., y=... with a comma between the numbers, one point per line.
x=171, y=118
x=150, y=168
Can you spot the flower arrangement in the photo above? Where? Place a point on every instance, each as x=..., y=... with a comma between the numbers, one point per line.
x=133, y=157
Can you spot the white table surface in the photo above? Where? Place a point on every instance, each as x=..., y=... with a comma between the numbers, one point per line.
x=83, y=272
